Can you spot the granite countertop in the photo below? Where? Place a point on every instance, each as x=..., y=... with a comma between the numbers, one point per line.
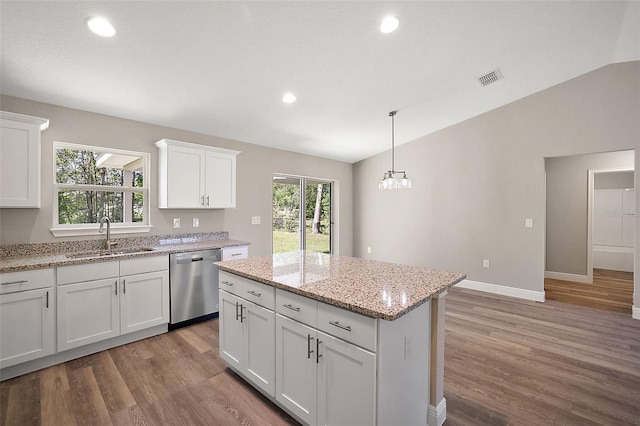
x=375, y=289
x=35, y=256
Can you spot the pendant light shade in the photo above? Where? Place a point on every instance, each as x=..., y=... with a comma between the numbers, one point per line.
x=388, y=180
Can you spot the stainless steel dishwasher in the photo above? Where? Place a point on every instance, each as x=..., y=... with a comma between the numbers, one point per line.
x=193, y=279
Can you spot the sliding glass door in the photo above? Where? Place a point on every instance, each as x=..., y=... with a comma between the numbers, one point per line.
x=302, y=214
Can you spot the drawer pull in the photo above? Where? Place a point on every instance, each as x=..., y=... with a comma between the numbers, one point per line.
x=236, y=254
x=16, y=282
x=253, y=293
x=116, y=286
x=227, y=283
x=47, y=301
x=309, y=350
x=337, y=324
x=293, y=308
x=124, y=286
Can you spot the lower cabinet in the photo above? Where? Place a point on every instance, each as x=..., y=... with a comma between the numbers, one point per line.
x=88, y=312
x=321, y=379
x=247, y=340
x=106, y=304
x=144, y=301
x=26, y=326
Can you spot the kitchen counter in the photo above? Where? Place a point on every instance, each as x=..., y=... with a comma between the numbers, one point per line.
x=35, y=256
x=375, y=289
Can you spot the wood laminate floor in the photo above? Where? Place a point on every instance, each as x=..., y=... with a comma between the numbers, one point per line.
x=611, y=291
x=508, y=361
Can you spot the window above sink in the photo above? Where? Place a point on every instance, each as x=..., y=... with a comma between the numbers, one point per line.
x=93, y=182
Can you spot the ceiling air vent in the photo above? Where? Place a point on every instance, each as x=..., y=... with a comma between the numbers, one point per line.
x=490, y=77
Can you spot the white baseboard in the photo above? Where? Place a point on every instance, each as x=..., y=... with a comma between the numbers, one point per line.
x=635, y=312
x=437, y=415
x=537, y=296
x=569, y=277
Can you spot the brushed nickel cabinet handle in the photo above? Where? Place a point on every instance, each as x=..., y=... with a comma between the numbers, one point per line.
x=124, y=286
x=116, y=287
x=318, y=356
x=253, y=293
x=337, y=324
x=46, y=303
x=16, y=282
x=227, y=283
x=207, y=200
x=293, y=308
x=309, y=350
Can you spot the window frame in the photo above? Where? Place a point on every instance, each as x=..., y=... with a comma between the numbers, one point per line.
x=84, y=229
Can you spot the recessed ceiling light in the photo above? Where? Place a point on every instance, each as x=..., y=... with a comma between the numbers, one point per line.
x=101, y=26
x=289, y=98
x=389, y=24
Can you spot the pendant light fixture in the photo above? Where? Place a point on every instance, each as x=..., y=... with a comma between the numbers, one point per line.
x=388, y=180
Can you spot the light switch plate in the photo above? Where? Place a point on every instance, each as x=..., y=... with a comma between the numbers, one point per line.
x=528, y=223
x=176, y=222
x=196, y=222
x=485, y=263
x=256, y=220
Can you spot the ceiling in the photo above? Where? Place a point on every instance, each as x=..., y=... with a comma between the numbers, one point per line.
x=221, y=68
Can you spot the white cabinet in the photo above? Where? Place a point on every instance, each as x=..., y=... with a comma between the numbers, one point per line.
x=321, y=379
x=102, y=300
x=88, y=312
x=26, y=316
x=144, y=301
x=247, y=331
x=237, y=252
x=20, y=159
x=195, y=176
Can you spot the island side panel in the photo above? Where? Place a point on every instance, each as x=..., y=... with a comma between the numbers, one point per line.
x=437, y=403
x=403, y=368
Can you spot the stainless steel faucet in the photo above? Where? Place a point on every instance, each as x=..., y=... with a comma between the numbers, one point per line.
x=108, y=243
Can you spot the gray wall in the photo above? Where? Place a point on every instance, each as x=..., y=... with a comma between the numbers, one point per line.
x=567, y=206
x=475, y=183
x=255, y=166
x=613, y=180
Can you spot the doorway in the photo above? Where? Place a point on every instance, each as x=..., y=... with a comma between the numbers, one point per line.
x=302, y=214
x=590, y=231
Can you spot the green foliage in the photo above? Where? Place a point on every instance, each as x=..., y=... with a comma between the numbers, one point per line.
x=288, y=241
x=76, y=205
x=286, y=202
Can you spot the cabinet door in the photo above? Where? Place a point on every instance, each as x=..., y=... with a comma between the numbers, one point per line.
x=87, y=312
x=260, y=336
x=296, y=368
x=220, y=180
x=19, y=164
x=185, y=178
x=26, y=326
x=231, y=337
x=346, y=383
x=144, y=301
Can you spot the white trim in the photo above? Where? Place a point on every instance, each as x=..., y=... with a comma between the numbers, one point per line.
x=28, y=119
x=76, y=231
x=162, y=143
x=635, y=312
x=437, y=415
x=585, y=279
x=537, y=296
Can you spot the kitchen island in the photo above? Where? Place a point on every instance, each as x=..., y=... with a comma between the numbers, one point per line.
x=338, y=340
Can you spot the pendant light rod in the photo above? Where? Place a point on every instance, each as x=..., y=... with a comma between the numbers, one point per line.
x=392, y=114
x=388, y=179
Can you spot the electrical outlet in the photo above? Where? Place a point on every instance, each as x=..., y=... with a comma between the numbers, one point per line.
x=176, y=222
x=369, y=250
x=256, y=220
x=528, y=223
x=485, y=263
x=196, y=222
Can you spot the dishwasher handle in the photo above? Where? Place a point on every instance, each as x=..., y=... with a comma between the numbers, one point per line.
x=189, y=259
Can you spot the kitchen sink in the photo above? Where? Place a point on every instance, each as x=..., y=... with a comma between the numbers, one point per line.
x=88, y=255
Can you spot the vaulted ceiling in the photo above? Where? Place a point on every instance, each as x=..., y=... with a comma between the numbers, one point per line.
x=222, y=67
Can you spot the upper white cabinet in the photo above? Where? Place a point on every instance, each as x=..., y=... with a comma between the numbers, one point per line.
x=195, y=176
x=20, y=159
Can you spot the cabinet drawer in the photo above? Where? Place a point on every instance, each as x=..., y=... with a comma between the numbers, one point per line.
x=297, y=307
x=230, y=253
x=26, y=280
x=87, y=272
x=260, y=294
x=233, y=284
x=143, y=265
x=350, y=326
